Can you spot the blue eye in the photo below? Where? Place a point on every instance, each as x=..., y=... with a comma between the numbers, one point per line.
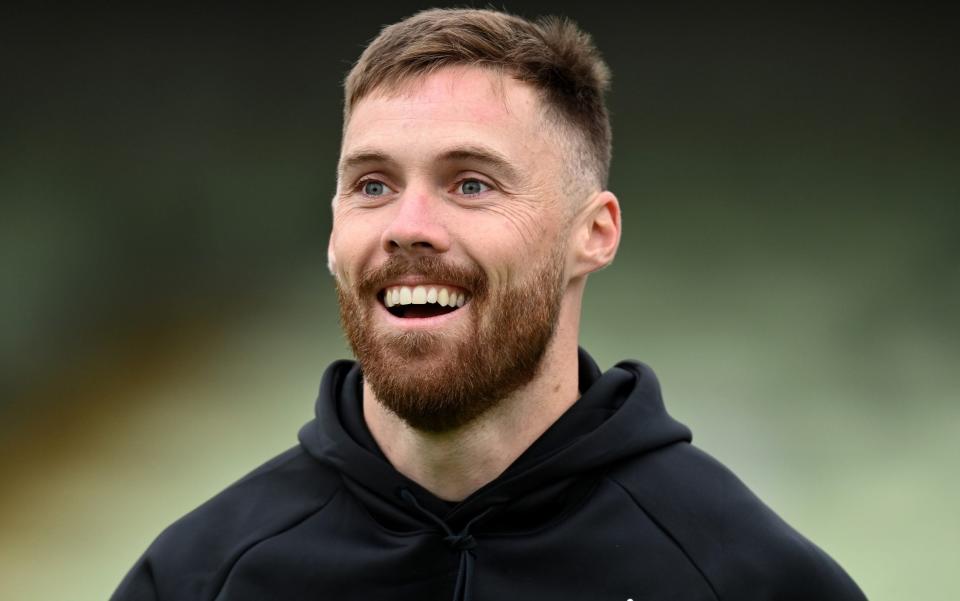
x=472, y=187
x=374, y=188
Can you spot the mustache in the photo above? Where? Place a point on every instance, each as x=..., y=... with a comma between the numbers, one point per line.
x=431, y=267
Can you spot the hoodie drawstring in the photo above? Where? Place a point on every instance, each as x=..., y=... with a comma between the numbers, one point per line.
x=462, y=541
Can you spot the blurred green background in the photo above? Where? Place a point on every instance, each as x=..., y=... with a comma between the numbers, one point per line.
x=791, y=265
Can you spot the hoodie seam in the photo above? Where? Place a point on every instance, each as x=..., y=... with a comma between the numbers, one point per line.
x=666, y=532
x=257, y=543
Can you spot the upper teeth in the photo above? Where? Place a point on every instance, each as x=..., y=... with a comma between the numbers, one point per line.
x=421, y=295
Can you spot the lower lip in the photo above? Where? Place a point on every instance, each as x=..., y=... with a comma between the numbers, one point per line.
x=415, y=323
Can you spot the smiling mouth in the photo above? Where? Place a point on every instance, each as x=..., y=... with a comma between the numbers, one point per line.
x=423, y=300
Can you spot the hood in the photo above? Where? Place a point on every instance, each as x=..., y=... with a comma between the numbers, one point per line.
x=619, y=416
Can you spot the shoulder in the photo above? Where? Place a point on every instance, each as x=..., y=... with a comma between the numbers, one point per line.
x=191, y=557
x=282, y=490
x=743, y=548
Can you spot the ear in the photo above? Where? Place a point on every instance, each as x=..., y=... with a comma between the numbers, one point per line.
x=331, y=257
x=596, y=233
x=331, y=254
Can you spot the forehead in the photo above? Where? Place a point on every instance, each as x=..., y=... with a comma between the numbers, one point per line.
x=452, y=105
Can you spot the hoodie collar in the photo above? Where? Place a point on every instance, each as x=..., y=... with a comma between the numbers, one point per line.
x=620, y=415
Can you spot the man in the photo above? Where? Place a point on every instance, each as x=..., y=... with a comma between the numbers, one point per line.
x=475, y=452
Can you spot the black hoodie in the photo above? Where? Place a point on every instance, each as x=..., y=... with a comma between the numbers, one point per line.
x=612, y=503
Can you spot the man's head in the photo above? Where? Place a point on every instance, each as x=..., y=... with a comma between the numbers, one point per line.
x=470, y=206
x=551, y=55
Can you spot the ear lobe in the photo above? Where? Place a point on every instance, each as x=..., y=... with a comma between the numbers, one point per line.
x=600, y=230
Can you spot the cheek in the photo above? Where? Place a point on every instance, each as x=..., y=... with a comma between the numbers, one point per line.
x=510, y=254
x=509, y=265
x=521, y=222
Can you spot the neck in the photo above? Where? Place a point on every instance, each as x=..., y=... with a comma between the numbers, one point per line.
x=452, y=465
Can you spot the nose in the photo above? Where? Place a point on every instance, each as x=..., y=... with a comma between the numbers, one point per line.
x=417, y=226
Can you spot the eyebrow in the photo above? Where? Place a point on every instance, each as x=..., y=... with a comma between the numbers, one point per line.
x=362, y=157
x=470, y=152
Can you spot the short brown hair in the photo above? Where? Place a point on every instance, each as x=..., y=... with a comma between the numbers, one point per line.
x=552, y=54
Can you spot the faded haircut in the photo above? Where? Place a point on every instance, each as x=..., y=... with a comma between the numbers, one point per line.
x=551, y=54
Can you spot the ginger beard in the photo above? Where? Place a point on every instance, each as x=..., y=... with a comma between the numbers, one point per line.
x=437, y=381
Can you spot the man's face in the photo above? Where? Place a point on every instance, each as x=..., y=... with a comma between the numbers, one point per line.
x=449, y=243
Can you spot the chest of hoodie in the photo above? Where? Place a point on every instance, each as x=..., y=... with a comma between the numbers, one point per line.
x=601, y=547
